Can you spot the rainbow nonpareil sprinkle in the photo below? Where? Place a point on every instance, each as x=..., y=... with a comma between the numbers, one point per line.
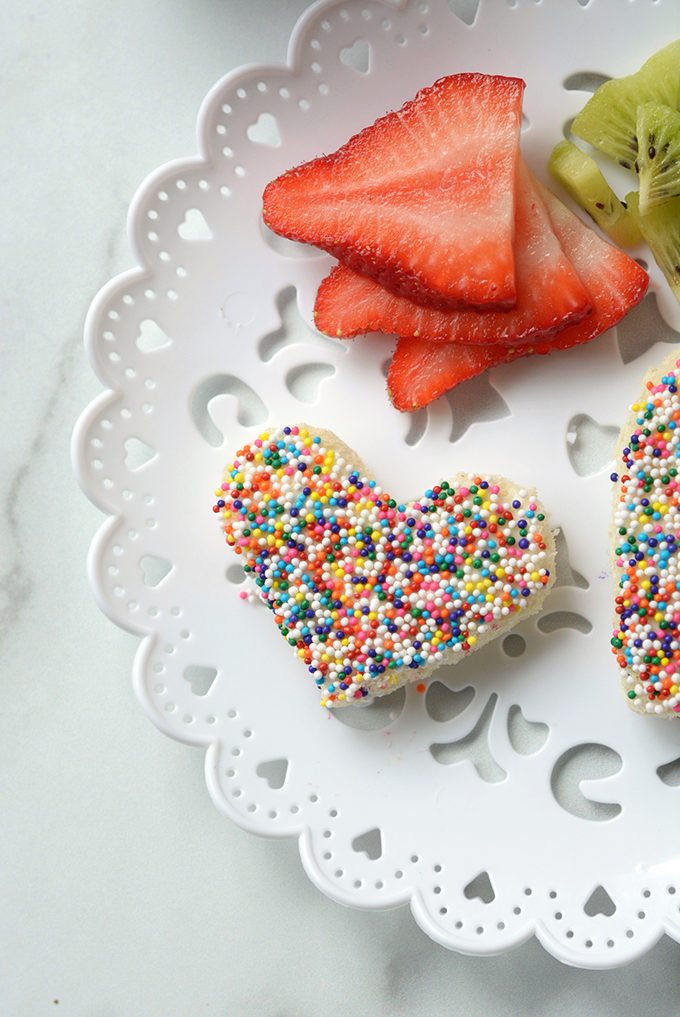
x=646, y=524
x=365, y=590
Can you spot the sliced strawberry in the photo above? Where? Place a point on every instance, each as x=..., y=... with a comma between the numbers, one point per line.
x=550, y=294
x=421, y=371
x=423, y=200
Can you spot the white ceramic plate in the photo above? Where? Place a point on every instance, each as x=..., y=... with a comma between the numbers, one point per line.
x=519, y=795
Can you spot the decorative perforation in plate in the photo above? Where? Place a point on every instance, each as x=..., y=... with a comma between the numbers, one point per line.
x=518, y=795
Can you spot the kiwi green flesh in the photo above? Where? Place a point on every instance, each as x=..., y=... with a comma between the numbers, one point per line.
x=661, y=230
x=608, y=120
x=658, y=129
x=581, y=178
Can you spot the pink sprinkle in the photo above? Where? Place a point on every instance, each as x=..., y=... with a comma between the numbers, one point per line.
x=495, y=490
x=258, y=443
x=657, y=529
x=532, y=506
x=464, y=491
x=402, y=518
x=488, y=617
x=225, y=487
x=243, y=595
x=362, y=658
x=391, y=514
x=289, y=471
x=295, y=430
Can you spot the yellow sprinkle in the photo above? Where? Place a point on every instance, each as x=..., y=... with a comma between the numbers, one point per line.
x=472, y=640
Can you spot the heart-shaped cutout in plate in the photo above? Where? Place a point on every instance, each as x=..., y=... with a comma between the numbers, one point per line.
x=368, y=592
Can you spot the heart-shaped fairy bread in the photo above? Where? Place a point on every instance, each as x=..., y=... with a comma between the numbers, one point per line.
x=645, y=541
x=371, y=593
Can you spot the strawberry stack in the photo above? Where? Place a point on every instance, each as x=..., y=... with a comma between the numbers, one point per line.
x=444, y=238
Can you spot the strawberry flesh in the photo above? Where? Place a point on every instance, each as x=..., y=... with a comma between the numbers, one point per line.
x=421, y=371
x=423, y=200
x=550, y=294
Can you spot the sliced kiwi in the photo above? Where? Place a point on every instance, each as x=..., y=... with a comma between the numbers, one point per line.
x=658, y=130
x=661, y=229
x=581, y=178
x=608, y=119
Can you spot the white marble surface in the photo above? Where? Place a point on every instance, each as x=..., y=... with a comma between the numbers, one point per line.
x=122, y=890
